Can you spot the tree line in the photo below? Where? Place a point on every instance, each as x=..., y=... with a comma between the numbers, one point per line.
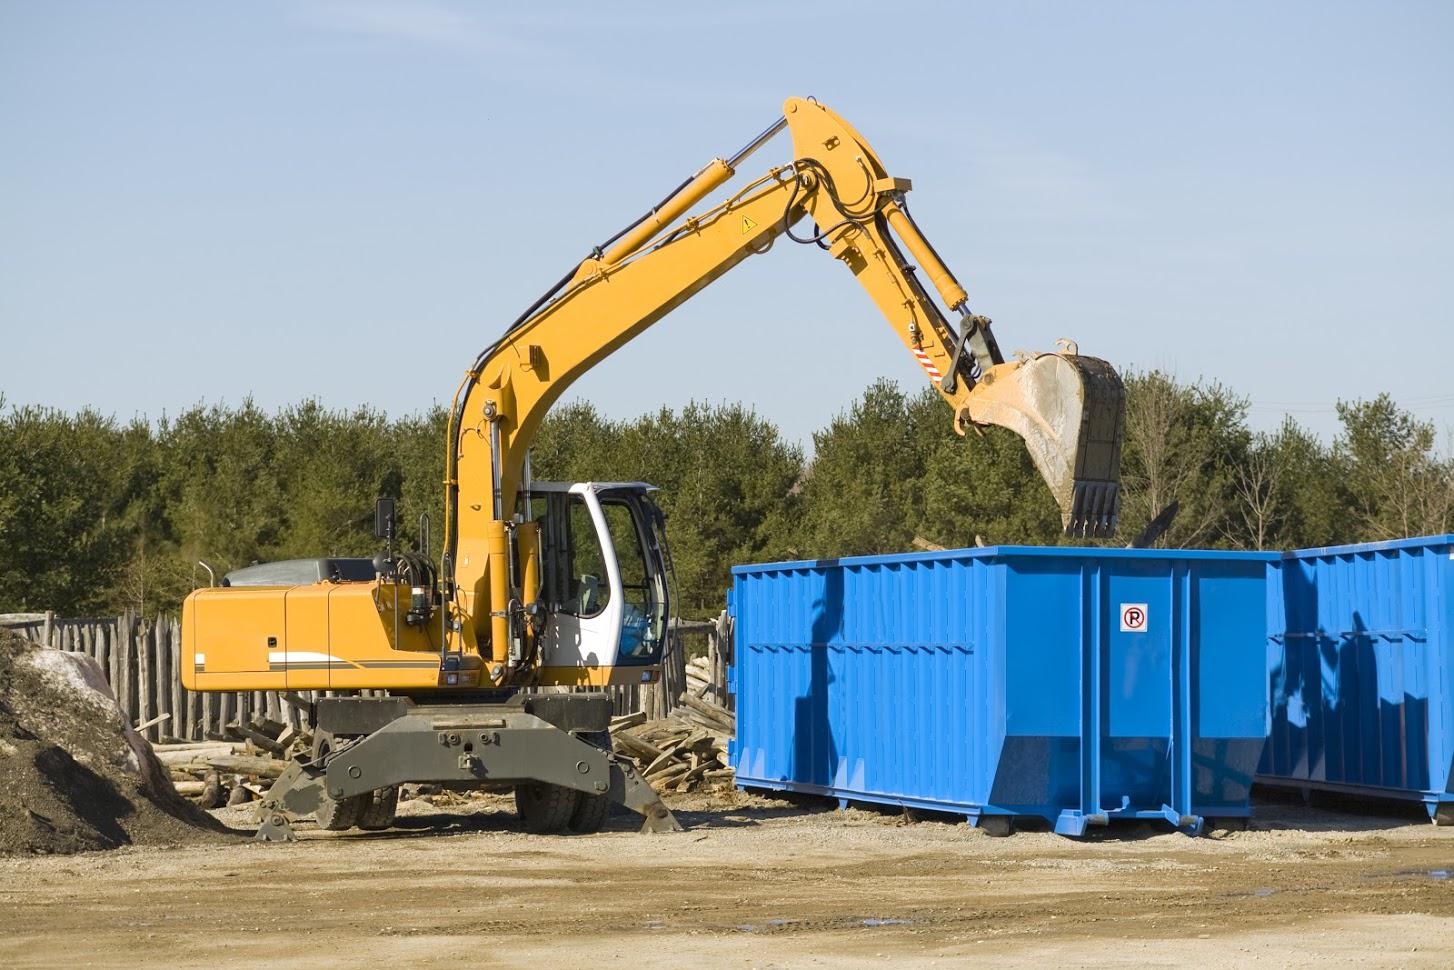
x=99, y=515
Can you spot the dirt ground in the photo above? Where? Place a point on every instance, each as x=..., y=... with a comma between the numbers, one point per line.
x=753, y=883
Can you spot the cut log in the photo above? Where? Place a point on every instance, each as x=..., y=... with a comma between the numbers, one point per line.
x=627, y=720
x=288, y=737
x=711, y=710
x=638, y=748
x=657, y=766
x=257, y=737
x=195, y=746
x=669, y=775
x=188, y=755
x=710, y=715
x=213, y=794
x=267, y=726
x=294, y=699
x=153, y=722
x=243, y=765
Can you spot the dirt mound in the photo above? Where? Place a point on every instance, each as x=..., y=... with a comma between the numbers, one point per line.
x=74, y=775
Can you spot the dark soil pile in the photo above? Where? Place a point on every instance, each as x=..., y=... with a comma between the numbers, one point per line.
x=74, y=775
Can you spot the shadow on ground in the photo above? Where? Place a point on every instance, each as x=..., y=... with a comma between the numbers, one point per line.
x=1274, y=810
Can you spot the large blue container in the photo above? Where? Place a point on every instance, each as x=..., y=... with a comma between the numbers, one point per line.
x=1079, y=685
x=1359, y=660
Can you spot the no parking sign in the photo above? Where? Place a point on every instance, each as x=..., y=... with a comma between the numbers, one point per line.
x=1133, y=617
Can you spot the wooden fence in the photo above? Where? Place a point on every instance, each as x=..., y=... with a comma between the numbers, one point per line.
x=141, y=660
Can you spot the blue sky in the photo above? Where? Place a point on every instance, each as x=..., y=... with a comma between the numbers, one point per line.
x=204, y=201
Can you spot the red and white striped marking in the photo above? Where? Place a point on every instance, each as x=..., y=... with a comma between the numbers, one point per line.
x=927, y=364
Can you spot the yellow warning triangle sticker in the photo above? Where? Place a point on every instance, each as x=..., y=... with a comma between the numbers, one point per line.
x=747, y=225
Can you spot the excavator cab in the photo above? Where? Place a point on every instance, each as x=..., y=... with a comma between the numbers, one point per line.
x=604, y=571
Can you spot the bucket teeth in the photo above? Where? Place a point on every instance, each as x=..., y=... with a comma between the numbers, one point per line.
x=1094, y=510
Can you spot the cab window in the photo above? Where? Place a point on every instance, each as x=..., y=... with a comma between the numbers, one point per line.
x=573, y=570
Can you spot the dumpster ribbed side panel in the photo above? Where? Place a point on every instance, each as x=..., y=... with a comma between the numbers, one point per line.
x=1077, y=685
x=825, y=656
x=1359, y=670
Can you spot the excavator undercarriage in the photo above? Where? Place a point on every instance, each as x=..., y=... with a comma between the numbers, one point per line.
x=552, y=749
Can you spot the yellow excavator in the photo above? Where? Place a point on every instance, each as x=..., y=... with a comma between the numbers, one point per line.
x=567, y=584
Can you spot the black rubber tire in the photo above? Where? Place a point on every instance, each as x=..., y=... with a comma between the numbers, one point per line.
x=591, y=810
x=341, y=814
x=590, y=814
x=333, y=814
x=544, y=807
x=378, y=813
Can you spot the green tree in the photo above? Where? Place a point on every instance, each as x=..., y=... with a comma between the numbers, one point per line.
x=1183, y=443
x=224, y=486
x=862, y=492
x=1398, y=486
x=418, y=452
x=332, y=466
x=65, y=486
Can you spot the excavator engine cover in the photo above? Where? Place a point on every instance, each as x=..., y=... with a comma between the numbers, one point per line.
x=1070, y=412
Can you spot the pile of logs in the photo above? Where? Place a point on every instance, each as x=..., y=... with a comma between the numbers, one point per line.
x=236, y=767
x=686, y=751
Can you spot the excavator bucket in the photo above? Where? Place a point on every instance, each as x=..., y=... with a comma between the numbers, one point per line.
x=1070, y=411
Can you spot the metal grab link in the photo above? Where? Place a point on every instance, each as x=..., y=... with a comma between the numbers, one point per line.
x=970, y=324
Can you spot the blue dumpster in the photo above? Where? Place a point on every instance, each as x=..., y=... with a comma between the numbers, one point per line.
x=1359, y=664
x=1077, y=685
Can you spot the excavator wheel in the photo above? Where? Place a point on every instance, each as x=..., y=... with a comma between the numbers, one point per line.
x=340, y=814
x=379, y=812
x=544, y=807
x=591, y=810
x=337, y=814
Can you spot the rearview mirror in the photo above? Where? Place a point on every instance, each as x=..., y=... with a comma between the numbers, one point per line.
x=384, y=519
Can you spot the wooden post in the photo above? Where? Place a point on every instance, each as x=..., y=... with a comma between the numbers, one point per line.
x=50, y=619
x=113, y=663
x=124, y=668
x=194, y=711
x=103, y=650
x=165, y=679
x=144, y=658
x=181, y=719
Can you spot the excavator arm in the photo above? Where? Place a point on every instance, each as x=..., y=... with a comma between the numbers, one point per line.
x=1067, y=408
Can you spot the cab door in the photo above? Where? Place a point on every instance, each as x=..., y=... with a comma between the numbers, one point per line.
x=580, y=582
x=603, y=582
